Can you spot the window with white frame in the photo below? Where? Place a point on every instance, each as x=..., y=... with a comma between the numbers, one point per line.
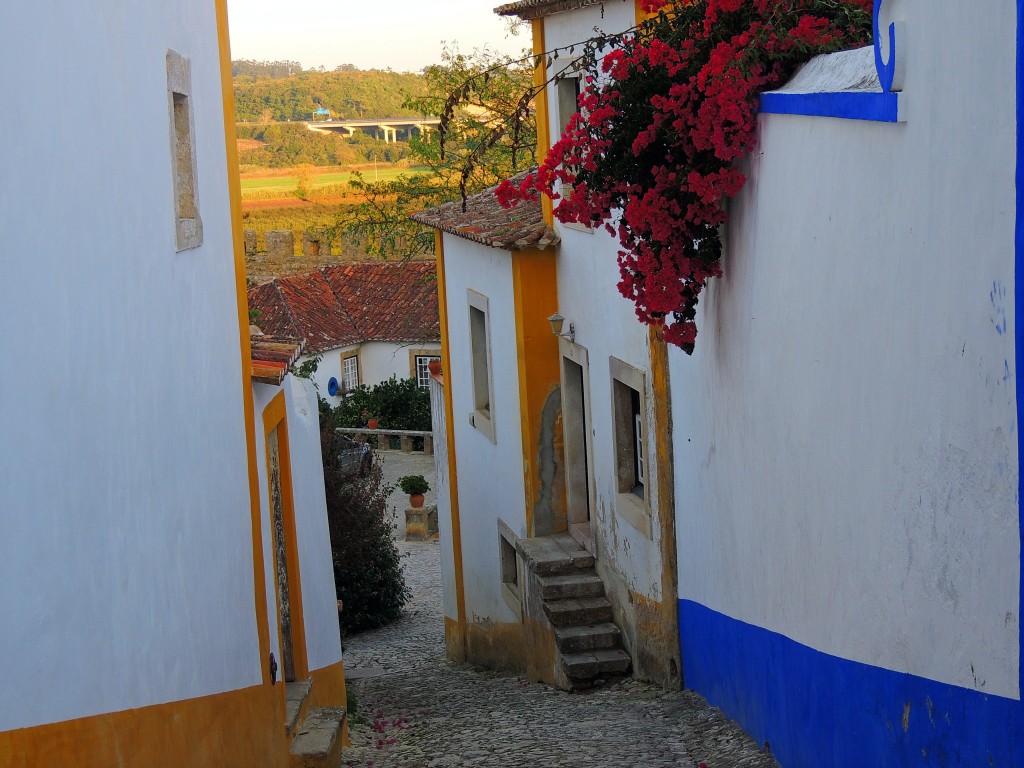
x=350, y=372
x=482, y=416
x=423, y=369
x=629, y=424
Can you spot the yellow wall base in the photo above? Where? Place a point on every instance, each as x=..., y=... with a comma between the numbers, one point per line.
x=328, y=690
x=496, y=646
x=243, y=728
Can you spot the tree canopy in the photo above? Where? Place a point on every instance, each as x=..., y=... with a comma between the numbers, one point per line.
x=277, y=91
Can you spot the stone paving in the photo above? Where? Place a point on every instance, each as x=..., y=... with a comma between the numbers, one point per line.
x=417, y=709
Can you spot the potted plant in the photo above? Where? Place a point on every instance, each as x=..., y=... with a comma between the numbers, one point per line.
x=415, y=486
x=371, y=421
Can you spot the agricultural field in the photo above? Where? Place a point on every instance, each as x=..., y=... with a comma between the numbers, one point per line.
x=254, y=186
x=270, y=202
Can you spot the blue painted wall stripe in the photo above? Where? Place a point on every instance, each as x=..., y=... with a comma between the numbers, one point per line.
x=817, y=710
x=875, y=107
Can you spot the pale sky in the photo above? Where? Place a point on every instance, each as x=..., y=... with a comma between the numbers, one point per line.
x=405, y=35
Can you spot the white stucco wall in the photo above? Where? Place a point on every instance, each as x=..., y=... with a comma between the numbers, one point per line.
x=126, y=557
x=490, y=473
x=316, y=571
x=442, y=490
x=382, y=360
x=845, y=434
x=378, y=361
x=606, y=327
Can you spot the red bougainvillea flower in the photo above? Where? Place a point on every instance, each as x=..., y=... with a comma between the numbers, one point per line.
x=663, y=120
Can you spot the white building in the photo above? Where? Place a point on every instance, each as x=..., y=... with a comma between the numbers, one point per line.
x=139, y=603
x=828, y=522
x=553, y=440
x=367, y=322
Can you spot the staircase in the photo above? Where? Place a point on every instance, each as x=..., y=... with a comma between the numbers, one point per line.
x=314, y=733
x=589, y=648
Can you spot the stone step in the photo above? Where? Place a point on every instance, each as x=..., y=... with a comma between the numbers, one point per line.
x=295, y=695
x=582, y=584
x=577, y=611
x=318, y=742
x=554, y=555
x=592, y=665
x=588, y=638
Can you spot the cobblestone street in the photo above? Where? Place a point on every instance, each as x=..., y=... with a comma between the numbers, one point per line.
x=415, y=708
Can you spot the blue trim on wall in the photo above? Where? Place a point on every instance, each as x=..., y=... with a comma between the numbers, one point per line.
x=876, y=107
x=817, y=710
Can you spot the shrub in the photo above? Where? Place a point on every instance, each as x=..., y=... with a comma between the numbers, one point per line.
x=396, y=404
x=413, y=484
x=367, y=565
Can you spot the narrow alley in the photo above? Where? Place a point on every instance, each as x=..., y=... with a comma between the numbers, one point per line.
x=417, y=709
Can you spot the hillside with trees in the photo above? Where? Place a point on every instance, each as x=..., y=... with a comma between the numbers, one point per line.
x=284, y=145
x=281, y=90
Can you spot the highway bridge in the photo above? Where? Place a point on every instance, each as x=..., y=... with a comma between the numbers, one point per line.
x=389, y=129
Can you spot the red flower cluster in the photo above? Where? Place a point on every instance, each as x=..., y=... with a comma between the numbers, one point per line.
x=665, y=116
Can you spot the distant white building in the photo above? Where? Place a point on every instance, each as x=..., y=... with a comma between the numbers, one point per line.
x=141, y=588
x=367, y=322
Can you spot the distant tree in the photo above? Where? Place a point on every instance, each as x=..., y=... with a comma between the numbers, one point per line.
x=346, y=92
x=492, y=88
x=303, y=181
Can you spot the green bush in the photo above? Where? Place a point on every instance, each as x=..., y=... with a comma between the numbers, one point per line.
x=395, y=403
x=413, y=484
x=367, y=565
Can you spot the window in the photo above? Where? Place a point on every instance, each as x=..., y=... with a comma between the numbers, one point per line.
x=482, y=416
x=629, y=422
x=188, y=225
x=350, y=373
x=508, y=560
x=422, y=371
x=568, y=90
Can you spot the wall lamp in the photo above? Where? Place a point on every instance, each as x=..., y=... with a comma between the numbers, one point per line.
x=557, y=321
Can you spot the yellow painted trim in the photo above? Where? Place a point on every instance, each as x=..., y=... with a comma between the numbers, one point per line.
x=456, y=646
x=662, y=408
x=236, y=729
x=540, y=78
x=535, y=296
x=275, y=416
x=328, y=690
x=241, y=299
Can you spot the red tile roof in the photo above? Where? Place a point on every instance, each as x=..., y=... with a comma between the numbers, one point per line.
x=532, y=9
x=347, y=304
x=271, y=356
x=486, y=221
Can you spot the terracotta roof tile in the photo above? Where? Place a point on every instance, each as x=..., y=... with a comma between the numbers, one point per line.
x=533, y=9
x=272, y=356
x=486, y=221
x=347, y=304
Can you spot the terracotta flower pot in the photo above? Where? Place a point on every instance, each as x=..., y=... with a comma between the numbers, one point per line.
x=371, y=423
x=416, y=500
x=434, y=366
